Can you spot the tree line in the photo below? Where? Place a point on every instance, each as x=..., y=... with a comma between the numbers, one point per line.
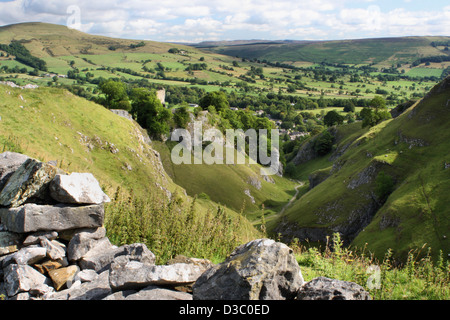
x=24, y=56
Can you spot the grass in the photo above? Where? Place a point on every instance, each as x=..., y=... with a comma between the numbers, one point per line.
x=424, y=72
x=234, y=180
x=176, y=227
x=76, y=133
x=411, y=149
x=80, y=134
x=419, y=278
x=362, y=51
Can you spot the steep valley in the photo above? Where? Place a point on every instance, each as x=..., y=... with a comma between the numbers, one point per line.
x=410, y=212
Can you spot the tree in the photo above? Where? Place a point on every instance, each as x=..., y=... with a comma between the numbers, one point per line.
x=332, y=118
x=150, y=113
x=181, y=117
x=324, y=143
x=218, y=99
x=349, y=107
x=376, y=113
x=378, y=103
x=116, y=95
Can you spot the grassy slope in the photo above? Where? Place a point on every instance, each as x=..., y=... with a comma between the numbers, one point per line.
x=420, y=202
x=226, y=184
x=53, y=124
x=49, y=40
x=417, y=211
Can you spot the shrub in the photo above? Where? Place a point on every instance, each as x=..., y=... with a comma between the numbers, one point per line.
x=384, y=186
x=171, y=227
x=419, y=278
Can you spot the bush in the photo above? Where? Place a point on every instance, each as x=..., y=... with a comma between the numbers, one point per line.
x=419, y=278
x=324, y=143
x=171, y=227
x=384, y=186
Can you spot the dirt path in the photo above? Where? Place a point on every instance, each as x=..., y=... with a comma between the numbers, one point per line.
x=301, y=184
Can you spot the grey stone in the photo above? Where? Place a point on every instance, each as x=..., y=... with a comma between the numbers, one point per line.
x=83, y=241
x=101, y=259
x=99, y=256
x=31, y=179
x=156, y=293
x=32, y=217
x=55, y=249
x=77, y=188
x=9, y=242
x=22, y=296
x=22, y=278
x=41, y=290
x=330, y=289
x=87, y=275
x=95, y=290
x=9, y=163
x=30, y=255
x=36, y=237
x=202, y=263
x=125, y=274
x=259, y=270
x=119, y=295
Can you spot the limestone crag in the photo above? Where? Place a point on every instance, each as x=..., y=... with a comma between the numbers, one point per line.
x=53, y=246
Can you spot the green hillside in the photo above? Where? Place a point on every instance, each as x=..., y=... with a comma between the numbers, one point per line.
x=313, y=78
x=363, y=51
x=83, y=60
x=239, y=187
x=412, y=151
x=53, y=124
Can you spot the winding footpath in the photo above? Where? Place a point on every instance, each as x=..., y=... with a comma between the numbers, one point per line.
x=301, y=184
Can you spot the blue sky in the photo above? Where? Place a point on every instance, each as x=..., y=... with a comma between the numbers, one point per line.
x=201, y=20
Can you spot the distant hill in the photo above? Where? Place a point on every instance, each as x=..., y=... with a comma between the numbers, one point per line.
x=363, y=51
x=208, y=44
x=51, y=40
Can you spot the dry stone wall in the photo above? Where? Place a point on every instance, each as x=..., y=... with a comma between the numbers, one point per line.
x=53, y=246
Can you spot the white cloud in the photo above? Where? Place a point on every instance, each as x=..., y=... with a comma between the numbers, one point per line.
x=219, y=19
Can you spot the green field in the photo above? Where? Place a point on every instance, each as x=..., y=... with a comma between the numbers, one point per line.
x=424, y=72
x=59, y=46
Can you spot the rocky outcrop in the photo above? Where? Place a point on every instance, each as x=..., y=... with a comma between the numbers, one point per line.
x=259, y=270
x=60, y=251
x=317, y=177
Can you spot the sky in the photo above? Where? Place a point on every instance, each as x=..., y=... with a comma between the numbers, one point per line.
x=206, y=20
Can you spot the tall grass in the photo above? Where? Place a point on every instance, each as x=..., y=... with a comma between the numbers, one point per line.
x=419, y=278
x=172, y=227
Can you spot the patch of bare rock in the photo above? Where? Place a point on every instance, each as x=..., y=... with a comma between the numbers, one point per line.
x=53, y=246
